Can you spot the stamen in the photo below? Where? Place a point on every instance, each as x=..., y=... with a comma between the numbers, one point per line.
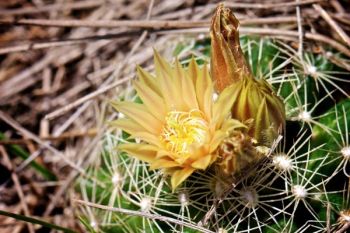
x=182, y=129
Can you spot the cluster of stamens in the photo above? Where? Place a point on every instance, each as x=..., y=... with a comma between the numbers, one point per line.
x=183, y=129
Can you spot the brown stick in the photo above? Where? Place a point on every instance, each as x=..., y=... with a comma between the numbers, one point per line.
x=18, y=187
x=72, y=134
x=53, y=7
x=272, y=32
x=73, y=41
x=14, y=124
x=271, y=5
x=243, y=30
x=146, y=24
x=88, y=97
x=333, y=24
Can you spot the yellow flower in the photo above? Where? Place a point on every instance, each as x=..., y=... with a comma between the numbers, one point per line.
x=179, y=124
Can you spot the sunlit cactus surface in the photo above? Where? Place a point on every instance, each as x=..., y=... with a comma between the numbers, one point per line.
x=273, y=158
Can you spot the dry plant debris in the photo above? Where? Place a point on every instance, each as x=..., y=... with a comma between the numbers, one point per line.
x=61, y=59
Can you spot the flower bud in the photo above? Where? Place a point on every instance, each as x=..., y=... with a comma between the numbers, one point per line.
x=254, y=100
x=228, y=64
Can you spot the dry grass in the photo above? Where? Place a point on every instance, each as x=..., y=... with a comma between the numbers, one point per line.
x=61, y=61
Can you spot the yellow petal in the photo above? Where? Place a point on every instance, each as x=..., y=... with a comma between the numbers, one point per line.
x=188, y=93
x=163, y=153
x=221, y=134
x=142, y=152
x=139, y=114
x=163, y=163
x=193, y=70
x=152, y=100
x=203, y=162
x=170, y=85
x=223, y=105
x=161, y=66
x=134, y=130
x=183, y=158
x=125, y=124
x=205, y=90
x=232, y=124
x=179, y=176
x=218, y=137
x=148, y=80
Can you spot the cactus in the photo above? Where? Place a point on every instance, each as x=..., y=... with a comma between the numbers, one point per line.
x=298, y=182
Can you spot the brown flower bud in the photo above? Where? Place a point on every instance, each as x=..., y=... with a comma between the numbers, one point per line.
x=254, y=100
x=228, y=64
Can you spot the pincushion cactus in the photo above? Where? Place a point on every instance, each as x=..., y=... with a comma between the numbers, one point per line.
x=263, y=154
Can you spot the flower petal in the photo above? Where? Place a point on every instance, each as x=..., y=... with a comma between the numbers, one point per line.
x=139, y=114
x=193, y=70
x=170, y=84
x=152, y=100
x=163, y=163
x=223, y=105
x=218, y=137
x=232, y=124
x=203, y=162
x=161, y=66
x=205, y=90
x=148, y=80
x=188, y=93
x=179, y=176
x=142, y=152
x=134, y=130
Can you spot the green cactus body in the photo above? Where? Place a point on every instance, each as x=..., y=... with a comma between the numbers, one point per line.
x=300, y=186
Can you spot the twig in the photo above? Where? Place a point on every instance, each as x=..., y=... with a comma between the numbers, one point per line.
x=333, y=24
x=145, y=215
x=19, y=190
x=74, y=41
x=60, y=192
x=35, y=138
x=72, y=118
x=72, y=134
x=54, y=7
x=271, y=32
x=105, y=88
x=25, y=78
x=88, y=97
x=344, y=228
x=300, y=31
x=271, y=5
x=329, y=41
x=146, y=24
x=67, y=42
